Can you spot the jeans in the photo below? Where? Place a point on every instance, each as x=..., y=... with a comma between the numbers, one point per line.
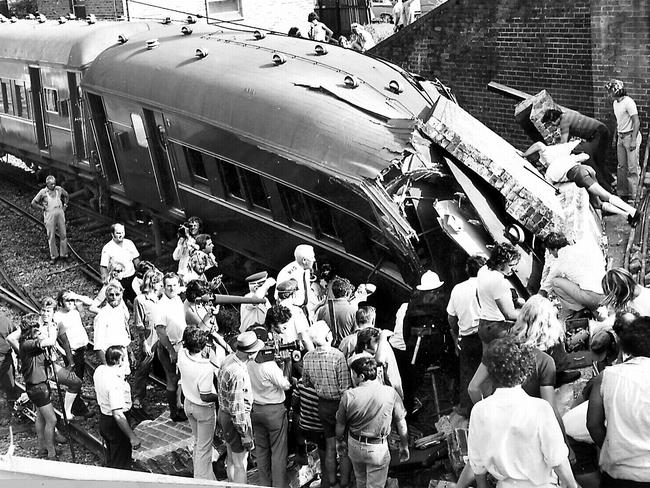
x=202, y=419
x=55, y=219
x=628, y=169
x=370, y=463
x=270, y=427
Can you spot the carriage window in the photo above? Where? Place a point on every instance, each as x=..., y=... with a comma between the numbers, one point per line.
x=21, y=102
x=295, y=204
x=256, y=190
x=196, y=165
x=138, y=128
x=231, y=180
x=323, y=214
x=51, y=100
x=7, y=99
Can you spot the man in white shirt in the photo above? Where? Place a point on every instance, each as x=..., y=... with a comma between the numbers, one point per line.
x=197, y=374
x=120, y=250
x=301, y=270
x=114, y=399
x=168, y=317
x=398, y=15
x=514, y=437
x=463, y=317
x=111, y=327
x=269, y=419
x=573, y=272
x=629, y=139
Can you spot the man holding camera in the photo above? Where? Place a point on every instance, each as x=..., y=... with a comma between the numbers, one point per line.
x=186, y=245
x=270, y=422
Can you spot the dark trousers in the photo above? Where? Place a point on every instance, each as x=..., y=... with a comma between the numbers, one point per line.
x=409, y=377
x=469, y=357
x=8, y=377
x=270, y=427
x=141, y=375
x=606, y=481
x=117, y=444
x=129, y=294
x=596, y=147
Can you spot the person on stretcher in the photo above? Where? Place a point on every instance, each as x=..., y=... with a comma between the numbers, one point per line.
x=562, y=166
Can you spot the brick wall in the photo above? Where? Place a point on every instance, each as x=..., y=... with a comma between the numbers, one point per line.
x=103, y=9
x=567, y=47
x=278, y=15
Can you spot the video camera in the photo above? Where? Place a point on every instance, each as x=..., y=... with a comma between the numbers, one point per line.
x=183, y=230
x=273, y=349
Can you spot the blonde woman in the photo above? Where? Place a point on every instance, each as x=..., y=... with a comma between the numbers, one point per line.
x=537, y=325
x=623, y=294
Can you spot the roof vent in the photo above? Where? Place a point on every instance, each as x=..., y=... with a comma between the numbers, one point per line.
x=122, y=39
x=13, y=19
x=152, y=44
x=394, y=87
x=279, y=59
x=3, y=19
x=190, y=20
x=186, y=31
x=72, y=16
x=320, y=50
x=42, y=19
x=351, y=81
x=91, y=19
x=62, y=20
x=259, y=35
x=31, y=17
x=201, y=53
x=167, y=20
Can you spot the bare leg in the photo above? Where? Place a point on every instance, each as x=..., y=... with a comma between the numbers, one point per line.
x=49, y=418
x=39, y=425
x=237, y=464
x=475, y=389
x=621, y=207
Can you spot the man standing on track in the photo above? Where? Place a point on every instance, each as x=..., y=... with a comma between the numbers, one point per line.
x=53, y=201
x=121, y=250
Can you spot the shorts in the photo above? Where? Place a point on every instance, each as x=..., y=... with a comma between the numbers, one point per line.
x=582, y=175
x=230, y=434
x=586, y=457
x=315, y=437
x=39, y=394
x=327, y=414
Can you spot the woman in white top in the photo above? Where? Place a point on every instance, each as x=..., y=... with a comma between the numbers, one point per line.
x=623, y=294
x=186, y=245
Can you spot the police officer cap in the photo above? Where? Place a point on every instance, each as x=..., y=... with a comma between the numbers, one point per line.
x=254, y=278
x=287, y=286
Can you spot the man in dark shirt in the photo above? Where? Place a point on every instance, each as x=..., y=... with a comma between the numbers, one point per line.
x=7, y=372
x=366, y=412
x=338, y=312
x=595, y=136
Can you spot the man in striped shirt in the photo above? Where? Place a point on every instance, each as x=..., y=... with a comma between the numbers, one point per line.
x=325, y=368
x=304, y=405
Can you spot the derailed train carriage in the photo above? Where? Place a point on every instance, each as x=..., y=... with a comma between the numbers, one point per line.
x=273, y=141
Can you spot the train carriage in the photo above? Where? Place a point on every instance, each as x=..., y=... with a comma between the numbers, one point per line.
x=276, y=141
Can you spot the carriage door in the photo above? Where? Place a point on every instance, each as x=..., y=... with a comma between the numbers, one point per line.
x=160, y=157
x=75, y=117
x=37, y=103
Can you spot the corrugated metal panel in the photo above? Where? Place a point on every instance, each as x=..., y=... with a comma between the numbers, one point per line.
x=74, y=44
x=238, y=87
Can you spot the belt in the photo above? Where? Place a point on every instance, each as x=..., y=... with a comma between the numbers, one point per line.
x=31, y=385
x=368, y=440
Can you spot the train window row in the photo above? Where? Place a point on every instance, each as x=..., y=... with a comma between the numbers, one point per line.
x=247, y=188
x=13, y=98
